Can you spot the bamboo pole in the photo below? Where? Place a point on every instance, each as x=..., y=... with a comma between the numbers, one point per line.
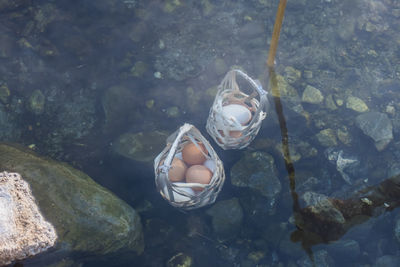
x=276, y=32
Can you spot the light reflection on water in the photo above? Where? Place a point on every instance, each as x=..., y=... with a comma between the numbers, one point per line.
x=173, y=54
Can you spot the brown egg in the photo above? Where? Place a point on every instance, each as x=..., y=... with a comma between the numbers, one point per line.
x=235, y=134
x=192, y=155
x=198, y=174
x=177, y=171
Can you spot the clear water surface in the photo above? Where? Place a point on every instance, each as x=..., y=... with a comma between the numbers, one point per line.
x=108, y=67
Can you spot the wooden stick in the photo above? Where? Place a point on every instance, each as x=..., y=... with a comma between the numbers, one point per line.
x=276, y=32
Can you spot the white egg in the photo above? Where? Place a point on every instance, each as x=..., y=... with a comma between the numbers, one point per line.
x=239, y=112
x=210, y=164
x=178, y=197
x=178, y=155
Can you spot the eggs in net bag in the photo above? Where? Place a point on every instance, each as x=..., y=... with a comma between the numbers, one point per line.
x=237, y=112
x=188, y=172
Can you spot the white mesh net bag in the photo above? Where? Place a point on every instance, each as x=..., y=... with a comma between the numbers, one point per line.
x=237, y=113
x=188, y=172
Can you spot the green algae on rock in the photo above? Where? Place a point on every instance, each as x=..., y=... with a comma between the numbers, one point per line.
x=312, y=95
x=36, y=102
x=327, y=138
x=87, y=217
x=356, y=104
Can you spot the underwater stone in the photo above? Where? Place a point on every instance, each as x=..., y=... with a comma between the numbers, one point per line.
x=290, y=98
x=172, y=112
x=36, y=102
x=327, y=138
x=356, y=104
x=390, y=109
x=397, y=229
x=312, y=95
x=4, y=93
x=292, y=75
x=142, y=146
x=344, y=135
x=308, y=74
x=139, y=69
x=88, y=218
x=180, y=260
x=227, y=217
x=9, y=5
x=345, y=163
x=320, y=258
x=23, y=230
x=347, y=250
x=387, y=261
x=320, y=206
x=257, y=171
x=330, y=103
x=377, y=126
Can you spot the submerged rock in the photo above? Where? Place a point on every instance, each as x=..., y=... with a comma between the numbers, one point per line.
x=23, y=230
x=227, y=216
x=322, y=207
x=327, y=138
x=140, y=146
x=346, y=250
x=320, y=258
x=347, y=165
x=6, y=5
x=87, y=217
x=377, y=126
x=312, y=95
x=36, y=102
x=387, y=261
x=180, y=260
x=257, y=171
x=356, y=104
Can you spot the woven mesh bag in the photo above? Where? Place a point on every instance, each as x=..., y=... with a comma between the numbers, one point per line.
x=227, y=131
x=180, y=194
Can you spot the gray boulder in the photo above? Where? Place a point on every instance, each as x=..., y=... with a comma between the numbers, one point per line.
x=88, y=218
x=227, y=216
x=257, y=171
x=377, y=126
x=23, y=230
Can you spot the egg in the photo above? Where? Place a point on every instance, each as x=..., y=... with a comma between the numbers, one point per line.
x=177, y=171
x=210, y=164
x=179, y=197
x=198, y=174
x=192, y=155
x=234, y=134
x=240, y=112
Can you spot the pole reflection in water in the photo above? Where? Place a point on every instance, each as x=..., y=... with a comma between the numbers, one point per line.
x=315, y=226
x=326, y=219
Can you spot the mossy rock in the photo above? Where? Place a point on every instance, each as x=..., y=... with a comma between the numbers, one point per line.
x=88, y=218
